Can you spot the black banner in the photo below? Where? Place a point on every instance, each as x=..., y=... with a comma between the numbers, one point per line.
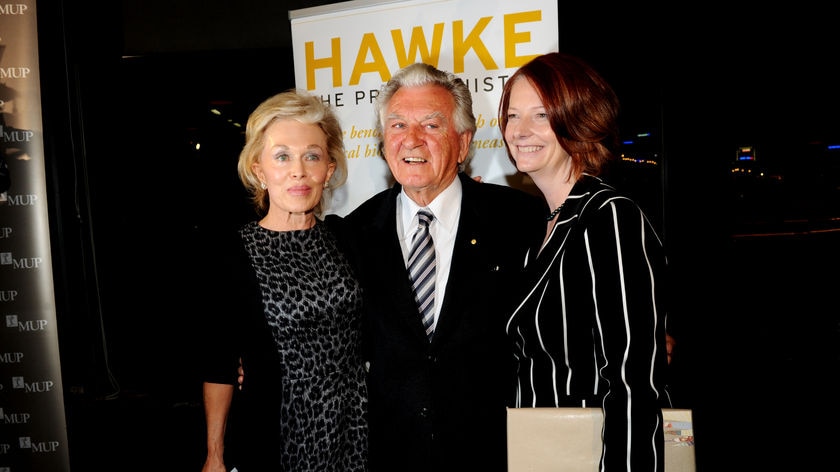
x=33, y=435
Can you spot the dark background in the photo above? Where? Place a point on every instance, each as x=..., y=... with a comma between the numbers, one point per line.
x=126, y=92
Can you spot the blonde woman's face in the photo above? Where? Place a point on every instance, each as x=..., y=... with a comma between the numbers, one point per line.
x=294, y=165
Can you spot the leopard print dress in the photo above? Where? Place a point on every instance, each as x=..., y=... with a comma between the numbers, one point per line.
x=313, y=307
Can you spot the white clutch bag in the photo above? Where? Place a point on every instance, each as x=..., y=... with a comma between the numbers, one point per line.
x=569, y=439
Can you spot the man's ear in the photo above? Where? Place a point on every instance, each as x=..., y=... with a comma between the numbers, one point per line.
x=466, y=140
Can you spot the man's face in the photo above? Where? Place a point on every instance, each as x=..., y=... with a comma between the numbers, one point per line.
x=421, y=145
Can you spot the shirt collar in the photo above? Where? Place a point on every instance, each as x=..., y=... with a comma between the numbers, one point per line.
x=446, y=208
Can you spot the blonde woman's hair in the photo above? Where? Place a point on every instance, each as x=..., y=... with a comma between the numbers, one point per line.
x=304, y=108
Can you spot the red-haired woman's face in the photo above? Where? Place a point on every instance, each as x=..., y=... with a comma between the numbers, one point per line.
x=530, y=138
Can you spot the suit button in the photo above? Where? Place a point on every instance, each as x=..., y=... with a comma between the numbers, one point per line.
x=431, y=358
x=424, y=412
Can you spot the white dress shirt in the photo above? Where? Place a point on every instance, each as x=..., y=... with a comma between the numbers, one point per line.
x=447, y=209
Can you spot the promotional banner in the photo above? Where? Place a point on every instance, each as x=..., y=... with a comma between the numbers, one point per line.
x=344, y=53
x=33, y=433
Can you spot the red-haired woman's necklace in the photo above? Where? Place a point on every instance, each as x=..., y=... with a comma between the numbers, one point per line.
x=554, y=213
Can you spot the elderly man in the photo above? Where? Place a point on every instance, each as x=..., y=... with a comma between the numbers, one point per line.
x=438, y=385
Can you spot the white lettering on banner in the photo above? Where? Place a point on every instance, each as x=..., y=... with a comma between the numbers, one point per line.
x=16, y=135
x=9, y=296
x=5, y=232
x=13, y=9
x=14, y=72
x=10, y=358
x=27, y=263
x=32, y=325
x=43, y=386
x=22, y=200
x=4, y=449
x=463, y=42
x=16, y=418
x=45, y=446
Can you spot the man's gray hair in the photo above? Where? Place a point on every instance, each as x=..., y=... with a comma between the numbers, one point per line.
x=420, y=74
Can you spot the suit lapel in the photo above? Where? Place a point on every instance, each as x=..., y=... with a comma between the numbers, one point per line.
x=388, y=267
x=466, y=257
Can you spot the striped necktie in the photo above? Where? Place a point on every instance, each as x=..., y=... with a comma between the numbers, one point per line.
x=421, y=270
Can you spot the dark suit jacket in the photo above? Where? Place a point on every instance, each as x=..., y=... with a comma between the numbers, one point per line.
x=441, y=406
